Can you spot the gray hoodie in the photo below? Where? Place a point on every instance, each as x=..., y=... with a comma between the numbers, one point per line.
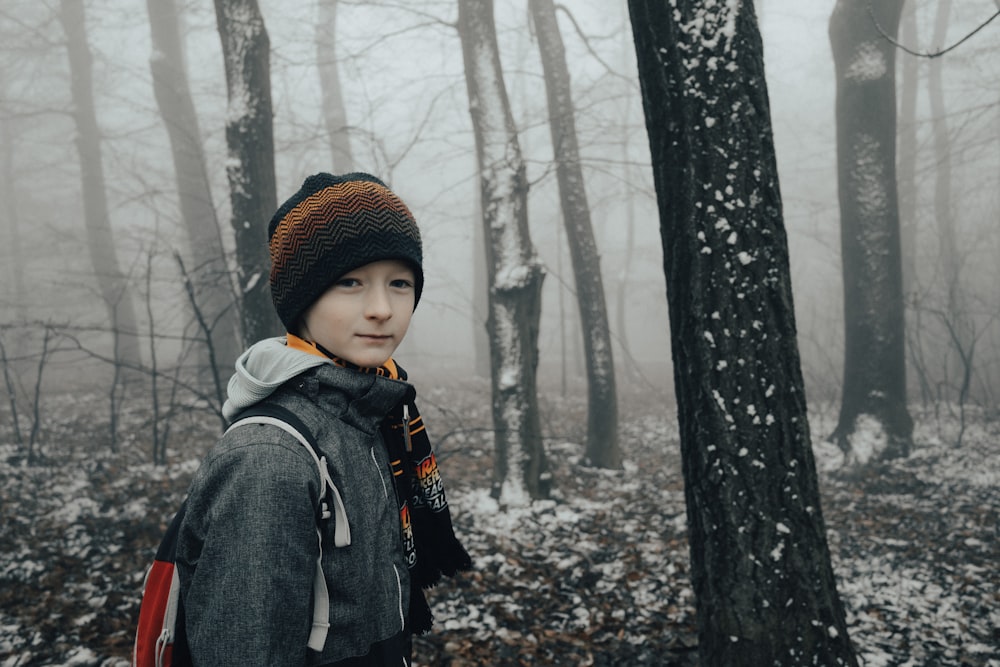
x=247, y=548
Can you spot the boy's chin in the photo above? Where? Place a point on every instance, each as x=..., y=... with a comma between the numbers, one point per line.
x=366, y=361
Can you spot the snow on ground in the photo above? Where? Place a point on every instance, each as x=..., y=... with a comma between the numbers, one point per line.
x=595, y=576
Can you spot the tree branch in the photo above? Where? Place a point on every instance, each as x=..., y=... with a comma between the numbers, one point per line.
x=936, y=54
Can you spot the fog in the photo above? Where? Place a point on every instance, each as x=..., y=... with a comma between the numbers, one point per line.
x=97, y=449
x=401, y=72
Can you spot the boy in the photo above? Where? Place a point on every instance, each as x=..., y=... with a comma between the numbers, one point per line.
x=345, y=278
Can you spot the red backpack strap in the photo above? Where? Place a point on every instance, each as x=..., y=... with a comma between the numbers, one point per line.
x=156, y=635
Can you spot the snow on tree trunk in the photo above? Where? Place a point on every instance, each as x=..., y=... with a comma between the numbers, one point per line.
x=520, y=472
x=334, y=113
x=760, y=564
x=250, y=163
x=209, y=271
x=874, y=421
x=602, y=406
x=112, y=283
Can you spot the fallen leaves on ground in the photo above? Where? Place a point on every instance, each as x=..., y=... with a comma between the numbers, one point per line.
x=598, y=575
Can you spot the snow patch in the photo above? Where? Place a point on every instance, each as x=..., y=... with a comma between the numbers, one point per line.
x=868, y=64
x=711, y=24
x=513, y=276
x=869, y=439
x=252, y=282
x=869, y=177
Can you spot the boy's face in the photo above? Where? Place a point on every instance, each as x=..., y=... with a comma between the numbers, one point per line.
x=363, y=317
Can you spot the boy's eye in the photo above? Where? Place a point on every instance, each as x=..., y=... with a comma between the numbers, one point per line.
x=401, y=283
x=348, y=282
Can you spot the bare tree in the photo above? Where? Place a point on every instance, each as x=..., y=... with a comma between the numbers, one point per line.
x=957, y=319
x=111, y=281
x=907, y=159
x=760, y=564
x=205, y=248
x=334, y=113
x=158, y=445
x=874, y=388
x=14, y=260
x=250, y=167
x=943, y=211
x=11, y=382
x=520, y=471
x=602, y=406
x=8, y=379
x=480, y=297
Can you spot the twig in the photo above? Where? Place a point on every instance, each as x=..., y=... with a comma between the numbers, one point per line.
x=936, y=54
x=205, y=328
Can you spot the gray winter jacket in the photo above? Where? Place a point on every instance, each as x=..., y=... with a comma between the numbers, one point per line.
x=248, y=546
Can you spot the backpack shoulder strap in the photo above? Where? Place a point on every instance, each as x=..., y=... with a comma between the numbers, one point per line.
x=159, y=635
x=286, y=420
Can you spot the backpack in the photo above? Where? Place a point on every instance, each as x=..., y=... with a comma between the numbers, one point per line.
x=160, y=640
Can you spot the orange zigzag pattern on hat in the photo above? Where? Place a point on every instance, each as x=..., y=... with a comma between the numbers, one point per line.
x=331, y=216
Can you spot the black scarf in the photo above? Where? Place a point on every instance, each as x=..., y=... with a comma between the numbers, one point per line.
x=429, y=541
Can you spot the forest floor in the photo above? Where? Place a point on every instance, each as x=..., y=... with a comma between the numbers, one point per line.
x=596, y=576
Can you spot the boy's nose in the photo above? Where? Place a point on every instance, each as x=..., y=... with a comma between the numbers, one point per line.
x=377, y=306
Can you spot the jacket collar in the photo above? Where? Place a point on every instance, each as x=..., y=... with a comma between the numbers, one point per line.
x=270, y=363
x=369, y=397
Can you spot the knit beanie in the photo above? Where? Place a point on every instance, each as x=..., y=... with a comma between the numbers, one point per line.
x=331, y=226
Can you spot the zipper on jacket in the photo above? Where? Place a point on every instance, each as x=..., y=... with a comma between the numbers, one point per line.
x=378, y=470
x=406, y=428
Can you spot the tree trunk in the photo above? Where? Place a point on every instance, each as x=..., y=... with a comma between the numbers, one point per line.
x=943, y=214
x=334, y=113
x=480, y=296
x=602, y=406
x=16, y=296
x=907, y=161
x=629, y=192
x=874, y=421
x=209, y=274
x=112, y=283
x=760, y=564
x=520, y=471
x=250, y=166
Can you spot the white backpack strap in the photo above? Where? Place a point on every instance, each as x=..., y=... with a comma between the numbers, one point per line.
x=342, y=530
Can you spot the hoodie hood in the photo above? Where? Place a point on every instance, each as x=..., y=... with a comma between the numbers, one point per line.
x=264, y=367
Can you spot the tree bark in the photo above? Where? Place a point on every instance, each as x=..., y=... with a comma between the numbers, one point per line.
x=210, y=274
x=874, y=421
x=520, y=472
x=112, y=283
x=602, y=448
x=334, y=113
x=760, y=564
x=250, y=165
